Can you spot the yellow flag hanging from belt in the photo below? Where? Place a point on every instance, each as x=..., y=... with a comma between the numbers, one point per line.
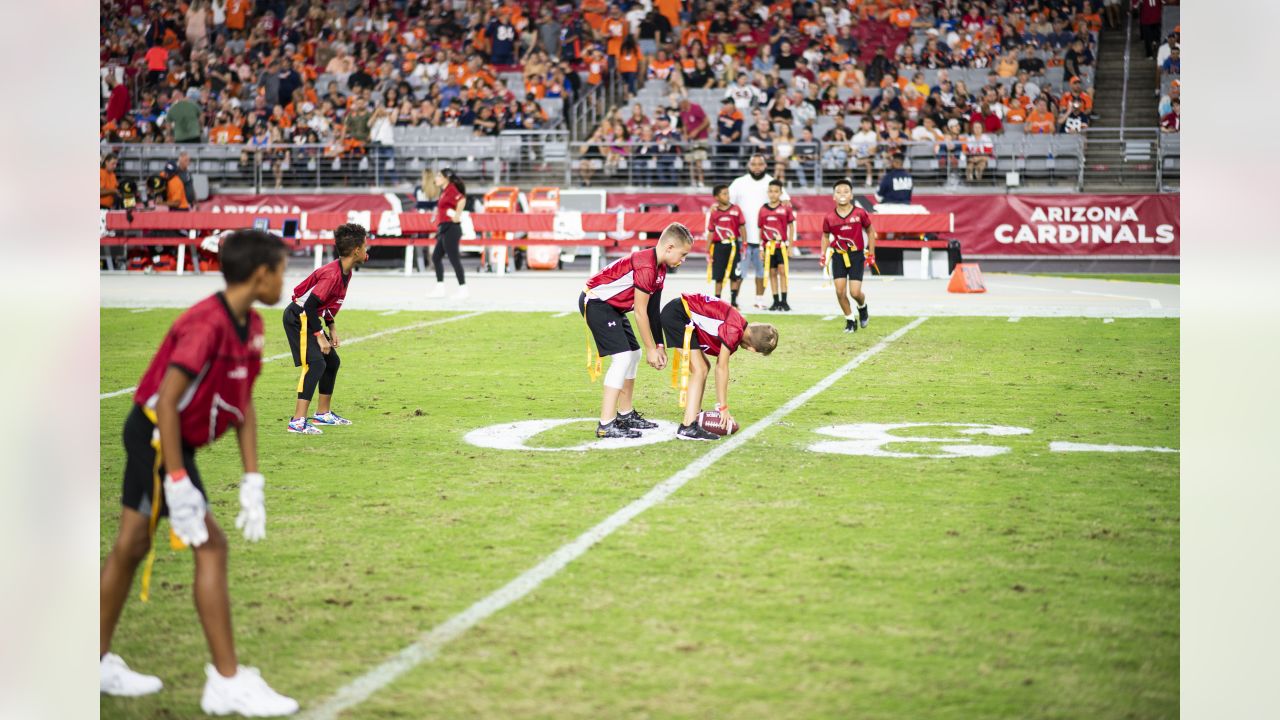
x=595, y=366
x=684, y=356
x=156, y=498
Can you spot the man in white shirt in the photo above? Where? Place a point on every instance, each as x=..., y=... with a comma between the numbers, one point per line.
x=744, y=95
x=750, y=192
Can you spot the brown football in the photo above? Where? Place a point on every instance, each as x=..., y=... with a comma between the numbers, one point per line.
x=713, y=422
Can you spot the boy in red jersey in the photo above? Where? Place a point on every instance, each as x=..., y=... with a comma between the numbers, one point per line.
x=726, y=226
x=630, y=283
x=313, y=337
x=698, y=325
x=848, y=233
x=199, y=384
x=777, y=223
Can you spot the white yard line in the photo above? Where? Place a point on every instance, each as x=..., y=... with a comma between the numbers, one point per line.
x=429, y=643
x=135, y=311
x=1155, y=304
x=1015, y=318
x=562, y=314
x=1086, y=447
x=348, y=341
x=389, y=312
x=828, y=317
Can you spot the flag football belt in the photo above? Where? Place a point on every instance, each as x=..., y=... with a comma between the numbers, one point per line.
x=728, y=268
x=595, y=366
x=680, y=368
x=770, y=247
x=156, y=498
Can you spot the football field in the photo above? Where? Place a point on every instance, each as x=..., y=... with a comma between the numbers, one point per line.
x=935, y=517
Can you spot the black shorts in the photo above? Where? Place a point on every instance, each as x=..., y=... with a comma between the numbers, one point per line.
x=673, y=320
x=778, y=257
x=609, y=326
x=853, y=271
x=294, y=317
x=140, y=465
x=720, y=257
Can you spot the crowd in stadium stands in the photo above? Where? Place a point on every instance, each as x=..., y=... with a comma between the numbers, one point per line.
x=1169, y=64
x=345, y=73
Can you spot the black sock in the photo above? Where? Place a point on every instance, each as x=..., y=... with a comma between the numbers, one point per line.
x=784, y=296
x=775, y=298
x=733, y=295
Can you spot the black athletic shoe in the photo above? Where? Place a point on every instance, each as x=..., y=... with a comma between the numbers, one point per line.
x=616, y=430
x=776, y=306
x=850, y=326
x=784, y=307
x=694, y=432
x=863, y=315
x=635, y=421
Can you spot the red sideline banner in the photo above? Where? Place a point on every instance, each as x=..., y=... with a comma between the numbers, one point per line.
x=291, y=204
x=1039, y=225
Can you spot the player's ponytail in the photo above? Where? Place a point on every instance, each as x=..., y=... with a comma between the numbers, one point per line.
x=456, y=181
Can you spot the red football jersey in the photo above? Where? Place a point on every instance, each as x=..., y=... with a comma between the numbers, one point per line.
x=773, y=222
x=450, y=199
x=329, y=285
x=716, y=323
x=847, y=233
x=618, y=282
x=222, y=358
x=726, y=226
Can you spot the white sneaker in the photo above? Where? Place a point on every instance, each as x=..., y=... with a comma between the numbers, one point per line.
x=438, y=291
x=462, y=293
x=245, y=694
x=115, y=678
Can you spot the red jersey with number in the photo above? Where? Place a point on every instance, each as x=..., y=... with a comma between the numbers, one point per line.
x=716, y=323
x=329, y=286
x=617, y=283
x=726, y=226
x=773, y=222
x=849, y=232
x=222, y=359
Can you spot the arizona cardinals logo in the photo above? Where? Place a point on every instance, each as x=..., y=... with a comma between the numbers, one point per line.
x=769, y=233
x=726, y=234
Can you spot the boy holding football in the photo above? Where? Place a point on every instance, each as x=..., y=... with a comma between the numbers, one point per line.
x=699, y=325
x=777, y=223
x=313, y=337
x=630, y=283
x=726, y=226
x=848, y=233
x=199, y=384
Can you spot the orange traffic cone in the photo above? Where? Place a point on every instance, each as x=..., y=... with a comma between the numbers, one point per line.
x=966, y=278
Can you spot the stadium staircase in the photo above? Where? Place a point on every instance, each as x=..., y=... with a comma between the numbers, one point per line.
x=1121, y=147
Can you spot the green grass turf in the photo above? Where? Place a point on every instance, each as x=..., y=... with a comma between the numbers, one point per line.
x=779, y=583
x=1161, y=278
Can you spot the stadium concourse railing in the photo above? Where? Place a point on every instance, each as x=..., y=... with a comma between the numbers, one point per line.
x=142, y=231
x=524, y=158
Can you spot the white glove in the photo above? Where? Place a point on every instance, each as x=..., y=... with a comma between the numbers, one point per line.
x=186, y=510
x=253, y=510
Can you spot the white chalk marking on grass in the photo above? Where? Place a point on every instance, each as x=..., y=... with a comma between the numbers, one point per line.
x=829, y=317
x=1086, y=447
x=516, y=435
x=389, y=312
x=562, y=314
x=135, y=311
x=348, y=341
x=430, y=642
x=1015, y=318
x=1155, y=304
x=1108, y=321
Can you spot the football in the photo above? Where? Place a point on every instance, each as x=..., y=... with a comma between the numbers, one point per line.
x=713, y=422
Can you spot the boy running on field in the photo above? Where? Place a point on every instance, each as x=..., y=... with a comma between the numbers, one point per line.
x=698, y=325
x=726, y=226
x=630, y=283
x=847, y=231
x=313, y=337
x=777, y=223
x=199, y=384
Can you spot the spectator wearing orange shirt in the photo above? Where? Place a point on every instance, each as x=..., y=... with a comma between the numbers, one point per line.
x=237, y=10
x=157, y=59
x=108, y=184
x=175, y=192
x=225, y=132
x=1040, y=121
x=1076, y=94
x=629, y=62
x=615, y=29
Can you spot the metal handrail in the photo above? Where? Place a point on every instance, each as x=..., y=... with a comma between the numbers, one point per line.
x=1124, y=88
